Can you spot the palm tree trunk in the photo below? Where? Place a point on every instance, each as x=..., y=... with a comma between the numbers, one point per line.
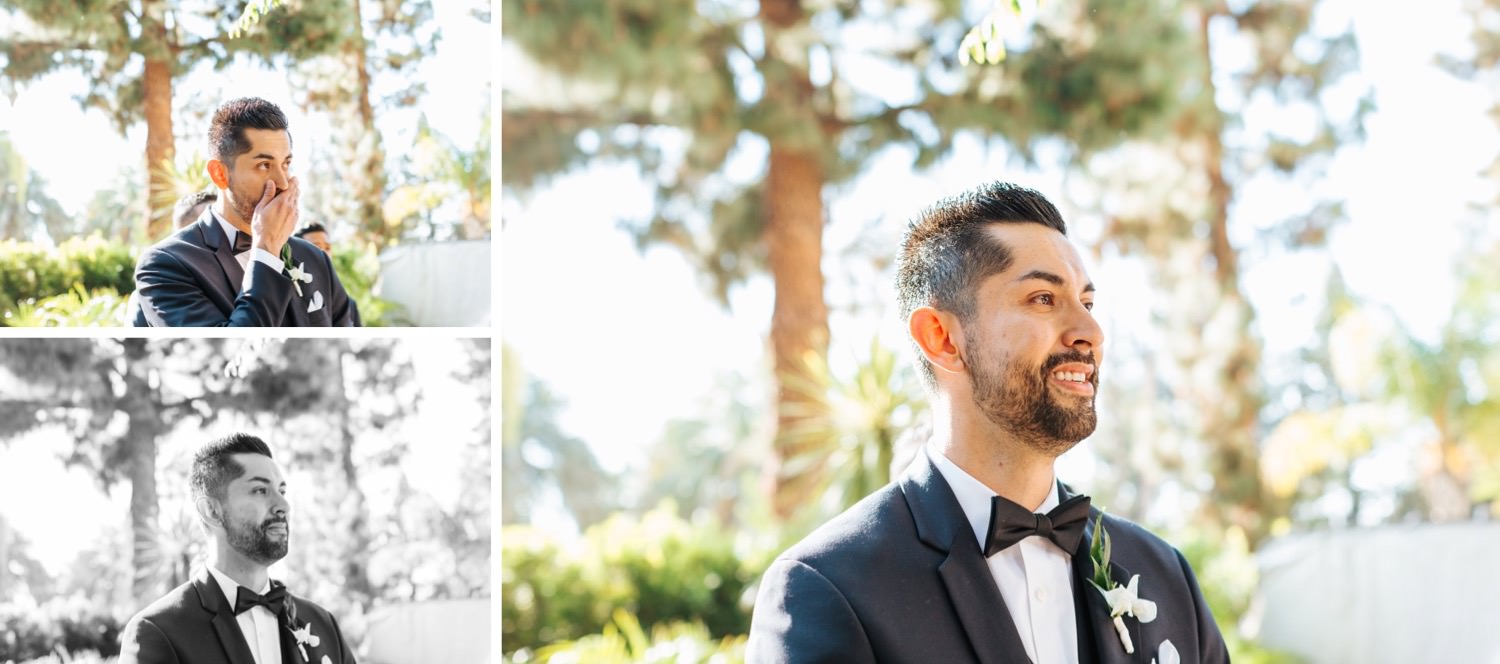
x=140, y=441
x=794, y=251
x=157, y=90
x=1229, y=425
x=370, y=155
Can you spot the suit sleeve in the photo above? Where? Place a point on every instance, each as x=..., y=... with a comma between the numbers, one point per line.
x=800, y=616
x=1211, y=646
x=170, y=297
x=346, y=655
x=143, y=642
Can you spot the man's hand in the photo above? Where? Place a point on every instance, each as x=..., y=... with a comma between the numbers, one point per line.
x=275, y=216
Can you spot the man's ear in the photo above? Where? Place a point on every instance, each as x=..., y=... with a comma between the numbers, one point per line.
x=218, y=171
x=938, y=334
x=208, y=511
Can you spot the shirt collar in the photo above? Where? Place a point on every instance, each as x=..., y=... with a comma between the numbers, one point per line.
x=974, y=497
x=232, y=589
x=229, y=229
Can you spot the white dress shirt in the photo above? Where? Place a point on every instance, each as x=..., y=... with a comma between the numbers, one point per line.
x=1034, y=575
x=258, y=624
x=257, y=253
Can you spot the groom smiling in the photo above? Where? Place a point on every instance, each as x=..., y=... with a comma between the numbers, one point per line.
x=232, y=612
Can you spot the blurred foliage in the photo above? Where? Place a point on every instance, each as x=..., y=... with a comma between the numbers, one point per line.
x=657, y=567
x=844, y=445
x=73, y=624
x=76, y=308
x=26, y=211
x=624, y=640
x=31, y=273
x=537, y=457
x=358, y=270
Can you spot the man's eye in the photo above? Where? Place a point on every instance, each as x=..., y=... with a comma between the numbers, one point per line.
x=1044, y=298
x=1088, y=305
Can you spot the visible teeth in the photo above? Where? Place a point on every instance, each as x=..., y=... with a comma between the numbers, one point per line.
x=1074, y=376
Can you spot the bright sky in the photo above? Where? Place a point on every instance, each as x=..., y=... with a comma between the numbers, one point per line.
x=630, y=340
x=77, y=511
x=45, y=115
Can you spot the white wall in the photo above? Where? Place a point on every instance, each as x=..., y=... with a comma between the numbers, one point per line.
x=1399, y=594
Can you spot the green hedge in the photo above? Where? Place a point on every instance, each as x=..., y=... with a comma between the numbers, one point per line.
x=657, y=567
x=73, y=625
x=30, y=273
x=87, y=282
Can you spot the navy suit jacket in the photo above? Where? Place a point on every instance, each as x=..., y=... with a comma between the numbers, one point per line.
x=191, y=279
x=899, y=577
x=195, y=624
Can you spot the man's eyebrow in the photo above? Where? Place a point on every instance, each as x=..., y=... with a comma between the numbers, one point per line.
x=258, y=478
x=1050, y=278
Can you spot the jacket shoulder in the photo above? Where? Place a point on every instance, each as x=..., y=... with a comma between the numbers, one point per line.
x=859, y=531
x=179, y=602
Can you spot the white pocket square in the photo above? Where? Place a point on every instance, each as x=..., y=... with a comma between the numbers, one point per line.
x=1167, y=654
x=317, y=302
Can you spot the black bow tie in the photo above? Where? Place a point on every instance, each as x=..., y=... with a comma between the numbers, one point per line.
x=241, y=243
x=275, y=600
x=1011, y=523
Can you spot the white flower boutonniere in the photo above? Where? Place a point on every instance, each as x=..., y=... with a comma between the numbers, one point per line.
x=297, y=272
x=1122, y=600
x=305, y=639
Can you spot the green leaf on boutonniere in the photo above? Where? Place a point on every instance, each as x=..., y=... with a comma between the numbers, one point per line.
x=1099, y=552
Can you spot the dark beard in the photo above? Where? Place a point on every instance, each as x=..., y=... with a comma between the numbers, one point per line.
x=253, y=542
x=1021, y=403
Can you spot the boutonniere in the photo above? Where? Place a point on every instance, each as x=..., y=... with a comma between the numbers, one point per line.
x=297, y=272
x=1122, y=600
x=303, y=635
x=305, y=639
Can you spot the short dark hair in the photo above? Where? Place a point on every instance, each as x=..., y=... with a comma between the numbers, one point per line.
x=226, y=133
x=214, y=466
x=946, y=252
x=313, y=227
x=188, y=208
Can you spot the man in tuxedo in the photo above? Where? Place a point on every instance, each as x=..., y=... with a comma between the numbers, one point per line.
x=977, y=553
x=216, y=618
x=228, y=268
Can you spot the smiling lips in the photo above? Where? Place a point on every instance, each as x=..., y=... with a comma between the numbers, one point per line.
x=1074, y=381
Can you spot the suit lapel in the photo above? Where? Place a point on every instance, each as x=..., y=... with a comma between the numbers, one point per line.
x=223, y=248
x=971, y=587
x=225, y=627
x=1094, y=611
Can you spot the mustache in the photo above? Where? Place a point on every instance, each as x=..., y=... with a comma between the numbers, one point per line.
x=275, y=522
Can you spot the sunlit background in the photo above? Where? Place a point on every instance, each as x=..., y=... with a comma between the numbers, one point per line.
x=1293, y=244
x=384, y=443
x=388, y=105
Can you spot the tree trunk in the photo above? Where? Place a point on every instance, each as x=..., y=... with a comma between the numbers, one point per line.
x=794, y=252
x=158, y=110
x=357, y=550
x=799, y=319
x=369, y=154
x=1229, y=424
x=140, y=442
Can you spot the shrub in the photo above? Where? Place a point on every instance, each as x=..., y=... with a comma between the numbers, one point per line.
x=358, y=270
x=30, y=273
x=100, y=308
x=66, y=625
x=624, y=640
x=657, y=567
